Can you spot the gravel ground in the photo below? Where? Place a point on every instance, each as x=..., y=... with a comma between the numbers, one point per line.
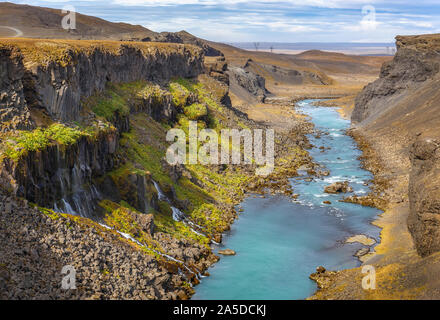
x=34, y=248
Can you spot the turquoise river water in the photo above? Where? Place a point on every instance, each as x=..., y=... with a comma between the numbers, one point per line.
x=280, y=242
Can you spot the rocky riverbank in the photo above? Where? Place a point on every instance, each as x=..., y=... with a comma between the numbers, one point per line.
x=396, y=121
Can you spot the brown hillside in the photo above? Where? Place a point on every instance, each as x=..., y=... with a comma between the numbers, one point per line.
x=46, y=23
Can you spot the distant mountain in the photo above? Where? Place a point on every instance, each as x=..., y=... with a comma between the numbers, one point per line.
x=360, y=48
x=38, y=22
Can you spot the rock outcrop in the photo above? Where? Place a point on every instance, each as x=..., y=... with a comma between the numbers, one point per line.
x=62, y=175
x=338, y=187
x=424, y=195
x=14, y=113
x=286, y=75
x=400, y=110
x=323, y=277
x=253, y=83
x=416, y=61
x=59, y=83
x=187, y=38
x=216, y=67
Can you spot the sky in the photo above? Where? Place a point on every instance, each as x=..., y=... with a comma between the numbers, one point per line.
x=270, y=20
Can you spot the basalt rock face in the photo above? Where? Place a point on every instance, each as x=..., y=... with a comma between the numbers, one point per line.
x=62, y=176
x=250, y=81
x=35, y=248
x=416, y=61
x=424, y=194
x=187, y=38
x=58, y=88
x=14, y=113
x=400, y=110
x=159, y=106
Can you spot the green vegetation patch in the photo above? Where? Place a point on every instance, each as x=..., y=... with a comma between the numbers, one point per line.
x=196, y=111
x=20, y=143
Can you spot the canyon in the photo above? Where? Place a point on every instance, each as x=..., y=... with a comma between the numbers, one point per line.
x=83, y=142
x=396, y=123
x=84, y=179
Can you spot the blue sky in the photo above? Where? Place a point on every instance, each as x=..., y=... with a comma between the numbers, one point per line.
x=269, y=20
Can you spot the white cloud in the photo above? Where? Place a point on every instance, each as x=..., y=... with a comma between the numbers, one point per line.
x=297, y=3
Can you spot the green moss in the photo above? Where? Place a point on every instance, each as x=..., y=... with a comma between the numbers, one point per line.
x=109, y=104
x=180, y=93
x=21, y=142
x=196, y=111
x=50, y=213
x=122, y=219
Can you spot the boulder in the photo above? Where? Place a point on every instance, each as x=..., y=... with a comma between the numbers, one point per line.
x=338, y=187
x=323, y=278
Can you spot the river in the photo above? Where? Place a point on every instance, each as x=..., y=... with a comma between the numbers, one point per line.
x=280, y=242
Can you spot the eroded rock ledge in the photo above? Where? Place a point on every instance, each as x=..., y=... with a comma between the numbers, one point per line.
x=424, y=195
x=401, y=107
x=56, y=75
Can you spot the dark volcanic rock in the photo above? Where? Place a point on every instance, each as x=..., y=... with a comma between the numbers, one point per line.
x=413, y=64
x=59, y=88
x=424, y=194
x=251, y=82
x=14, y=114
x=35, y=248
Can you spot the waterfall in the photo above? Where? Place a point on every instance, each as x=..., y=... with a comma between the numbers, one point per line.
x=168, y=257
x=160, y=194
x=79, y=196
x=79, y=203
x=178, y=215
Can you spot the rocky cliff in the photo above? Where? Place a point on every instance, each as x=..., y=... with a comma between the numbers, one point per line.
x=416, y=62
x=424, y=195
x=82, y=169
x=253, y=84
x=59, y=74
x=55, y=78
x=61, y=176
x=14, y=113
x=401, y=110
